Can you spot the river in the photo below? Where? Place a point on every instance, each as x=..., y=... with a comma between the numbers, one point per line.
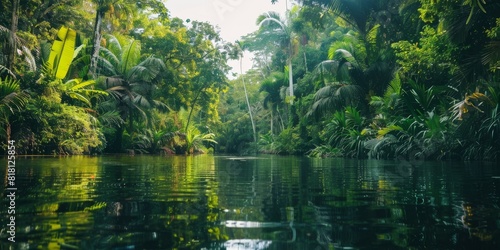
x=260, y=202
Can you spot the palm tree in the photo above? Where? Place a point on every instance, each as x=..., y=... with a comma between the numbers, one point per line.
x=12, y=43
x=129, y=81
x=279, y=31
x=103, y=7
x=246, y=97
x=357, y=67
x=120, y=11
x=273, y=86
x=12, y=37
x=11, y=99
x=466, y=24
x=344, y=83
x=195, y=139
x=58, y=64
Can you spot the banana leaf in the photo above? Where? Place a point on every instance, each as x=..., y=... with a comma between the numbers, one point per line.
x=61, y=54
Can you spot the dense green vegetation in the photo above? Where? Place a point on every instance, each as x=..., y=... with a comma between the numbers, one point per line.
x=379, y=79
x=382, y=79
x=139, y=80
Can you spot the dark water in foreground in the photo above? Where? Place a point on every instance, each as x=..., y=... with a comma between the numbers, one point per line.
x=265, y=202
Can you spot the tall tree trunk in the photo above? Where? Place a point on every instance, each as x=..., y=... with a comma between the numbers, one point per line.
x=305, y=62
x=12, y=38
x=248, y=102
x=8, y=130
x=192, y=108
x=97, y=41
x=194, y=103
x=272, y=118
x=281, y=120
x=290, y=79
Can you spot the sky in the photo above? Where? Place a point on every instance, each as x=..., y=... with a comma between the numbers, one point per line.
x=235, y=18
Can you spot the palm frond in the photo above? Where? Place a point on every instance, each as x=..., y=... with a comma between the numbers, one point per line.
x=372, y=34
x=45, y=48
x=11, y=96
x=4, y=29
x=270, y=18
x=29, y=58
x=346, y=45
x=342, y=67
x=108, y=62
x=112, y=82
x=113, y=46
x=130, y=56
x=80, y=97
x=380, y=147
x=142, y=101
x=355, y=13
x=161, y=105
x=117, y=92
x=75, y=84
x=143, y=73
x=14, y=41
x=326, y=68
x=9, y=72
x=111, y=119
x=491, y=54
x=155, y=67
x=333, y=97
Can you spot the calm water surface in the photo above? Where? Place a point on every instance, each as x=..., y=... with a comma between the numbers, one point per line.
x=264, y=202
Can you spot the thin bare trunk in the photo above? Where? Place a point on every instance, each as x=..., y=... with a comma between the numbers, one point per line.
x=13, y=30
x=192, y=108
x=194, y=103
x=191, y=111
x=290, y=71
x=305, y=62
x=248, y=102
x=290, y=79
x=281, y=120
x=272, y=118
x=8, y=131
x=97, y=42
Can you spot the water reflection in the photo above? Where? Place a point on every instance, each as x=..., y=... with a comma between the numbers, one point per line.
x=265, y=202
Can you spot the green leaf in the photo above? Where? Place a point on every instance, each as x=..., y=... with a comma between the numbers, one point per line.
x=61, y=54
x=79, y=97
x=382, y=132
x=80, y=84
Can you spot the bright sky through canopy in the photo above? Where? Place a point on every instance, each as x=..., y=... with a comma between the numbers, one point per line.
x=235, y=18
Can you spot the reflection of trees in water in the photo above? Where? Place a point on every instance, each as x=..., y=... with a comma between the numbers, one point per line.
x=482, y=222
x=341, y=226
x=322, y=226
x=338, y=204
x=353, y=204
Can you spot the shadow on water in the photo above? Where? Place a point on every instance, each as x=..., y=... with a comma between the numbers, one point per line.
x=263, y=202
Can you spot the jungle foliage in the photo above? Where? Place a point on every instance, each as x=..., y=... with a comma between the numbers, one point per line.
x=90, y=77
x=378, y=79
